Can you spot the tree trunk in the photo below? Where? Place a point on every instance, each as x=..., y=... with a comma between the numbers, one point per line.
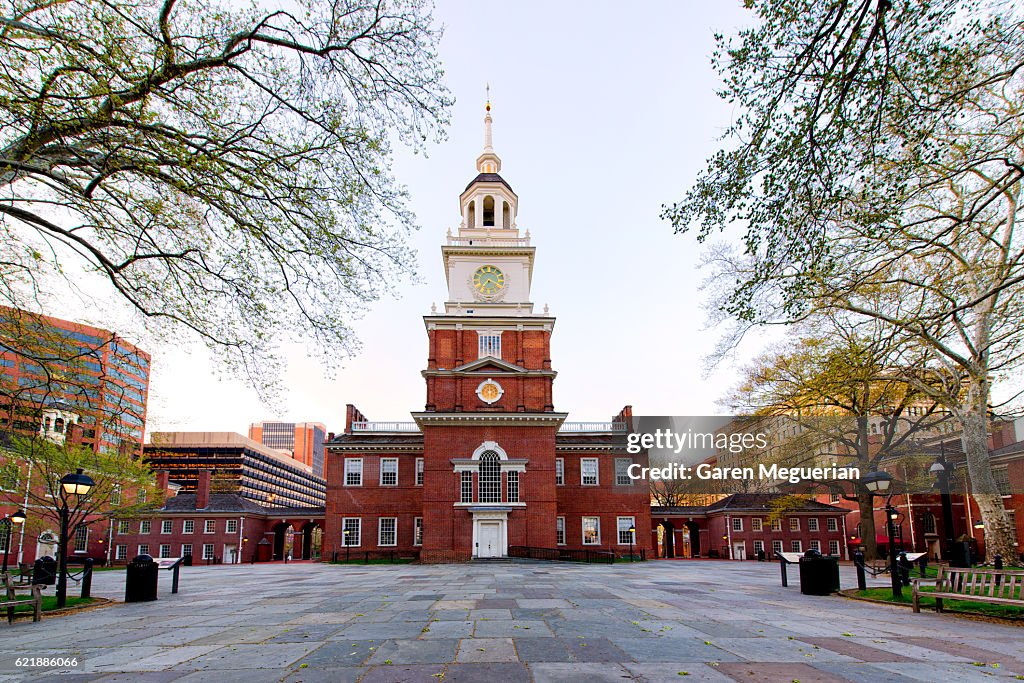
x=999, y=535
x=867, y=525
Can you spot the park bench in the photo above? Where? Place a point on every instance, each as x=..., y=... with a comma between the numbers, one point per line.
x=997, y=586
x=10, y=598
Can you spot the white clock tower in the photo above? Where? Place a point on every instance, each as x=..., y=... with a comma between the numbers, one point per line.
x=488, y=265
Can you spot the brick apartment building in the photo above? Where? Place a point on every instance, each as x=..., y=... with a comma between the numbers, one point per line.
x=489, y=465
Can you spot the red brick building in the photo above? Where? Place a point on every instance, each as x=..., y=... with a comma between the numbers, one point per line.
x=489, y=464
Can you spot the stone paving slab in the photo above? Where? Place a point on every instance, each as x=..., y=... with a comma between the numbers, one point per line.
x=309, y=623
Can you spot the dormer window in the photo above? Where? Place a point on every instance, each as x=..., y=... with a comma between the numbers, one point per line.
x=490, y=344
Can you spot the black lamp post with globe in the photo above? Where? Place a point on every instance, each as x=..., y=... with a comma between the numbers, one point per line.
x=880, y=484
x=9, y=522
x=77, y=485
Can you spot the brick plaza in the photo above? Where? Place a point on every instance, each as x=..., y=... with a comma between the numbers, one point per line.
x=716, y=621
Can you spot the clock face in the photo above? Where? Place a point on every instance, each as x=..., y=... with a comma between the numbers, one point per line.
x=489, y=391
x=488, y=280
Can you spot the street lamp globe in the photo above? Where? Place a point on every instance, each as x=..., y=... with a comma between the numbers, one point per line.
x=937, y=468
x=77, y=484
x=877, y=482
x=18, y=517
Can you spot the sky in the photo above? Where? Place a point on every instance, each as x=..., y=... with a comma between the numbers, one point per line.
x=600, y=117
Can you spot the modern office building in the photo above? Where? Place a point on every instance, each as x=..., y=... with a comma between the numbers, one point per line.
x=57, y=366
x=239, y=465
x=489, y=466
x=304, y=441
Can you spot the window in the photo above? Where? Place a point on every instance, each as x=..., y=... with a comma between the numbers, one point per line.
x=123, y=527
x=591, y=531
x=387, y=531
x=188, y=526
x=624, y=524
x=588, y=471
x=622, y=471
x=758, y=546
x=115, y=496
x=833, y=497
x=353, y=471
x=186, y=549
x=81, y=538
x=490, y=478
x=351, y=531
x=737, y=524
x=165, y=550
x=794, y=546
x=794, y=524
x=833, y=548
x=776, y=525
x=419, y=471
x=559, y=471
x=207, y=551
x=513, y=487
x=142, y=493
x=466, y=487
x=489, y=344
x=210, y=526
x=1001, y=475
x=776, y=546
x=121, y=552
x=145, y=526
x=417, y=531
x=560, y=530
x=816, y=545
x=812, y=524
x=231, y=526
x=832, y=524
x=756, y=524
x=143, y=549
x=389, y=471
x=165, y=526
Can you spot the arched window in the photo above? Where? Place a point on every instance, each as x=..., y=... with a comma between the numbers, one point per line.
x=506, y=216
x=488, y=211
x=58, y=425
x=471, y=215
x=490, y=478
x=928, y=522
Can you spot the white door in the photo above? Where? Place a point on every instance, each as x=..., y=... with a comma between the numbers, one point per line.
x=230, y=554
x=739, y=551
x=489, y=538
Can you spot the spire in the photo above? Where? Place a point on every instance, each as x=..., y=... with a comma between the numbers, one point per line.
x=488, y=162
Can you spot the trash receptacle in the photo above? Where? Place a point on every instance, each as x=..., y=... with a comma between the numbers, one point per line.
x=141, y=579
x=187, y=560
x=44, y=571
x=818, y=575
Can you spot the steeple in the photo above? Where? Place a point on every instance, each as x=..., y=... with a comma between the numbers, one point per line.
x=488, y=162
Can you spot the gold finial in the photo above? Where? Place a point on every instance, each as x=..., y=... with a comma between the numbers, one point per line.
x=488, y=97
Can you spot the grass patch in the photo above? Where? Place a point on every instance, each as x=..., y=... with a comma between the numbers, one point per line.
x=50, y=604
x=928, y=603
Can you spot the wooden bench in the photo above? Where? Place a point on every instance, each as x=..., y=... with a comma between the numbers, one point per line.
x=997, y=586
x=10, y=599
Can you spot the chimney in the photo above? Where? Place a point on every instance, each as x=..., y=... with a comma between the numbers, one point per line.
x=162, y=480
x=203, y=490
x=75, y=433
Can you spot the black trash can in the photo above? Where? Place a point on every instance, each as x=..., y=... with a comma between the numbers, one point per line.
x=141, y=579
x=818, y=575
x=44, y=571
x=187, y=560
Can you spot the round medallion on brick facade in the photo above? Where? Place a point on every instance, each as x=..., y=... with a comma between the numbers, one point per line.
x=489, y=391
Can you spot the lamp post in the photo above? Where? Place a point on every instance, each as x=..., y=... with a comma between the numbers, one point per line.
x=8, y=522
x=632, y=533
x=78, y=485
x=346, y=532
x=879, y=484
x=942, y=471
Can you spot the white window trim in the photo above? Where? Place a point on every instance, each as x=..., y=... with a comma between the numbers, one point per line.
x=799, y=545
x=756, y=524
x=190, y=549
x=417, y=523
x=597, y=471
x=380, y=532
x=184, y=526
x=166, y=527
x=347, y=471
x=143, y=523
x=141, y=546
x=207, y=524
x=562, y=519
x=559, y=471
x=831, y=524
x=227, y=526
x=480, y=345
x=628, y=481
x=420, y=472
x=794, y=524
x=380, y=474
x=632, y=523
x=118, y=555
x=735, y=526
x=359, y=527
x=813, y=524
x=583, y=529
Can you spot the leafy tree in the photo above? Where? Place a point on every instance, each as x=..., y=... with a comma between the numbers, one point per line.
x=224, y=171
x=877, y=163
x=124, y=485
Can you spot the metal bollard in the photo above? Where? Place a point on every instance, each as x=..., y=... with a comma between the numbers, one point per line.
x=998, y=564
x=87, y=578
x=858, y=561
